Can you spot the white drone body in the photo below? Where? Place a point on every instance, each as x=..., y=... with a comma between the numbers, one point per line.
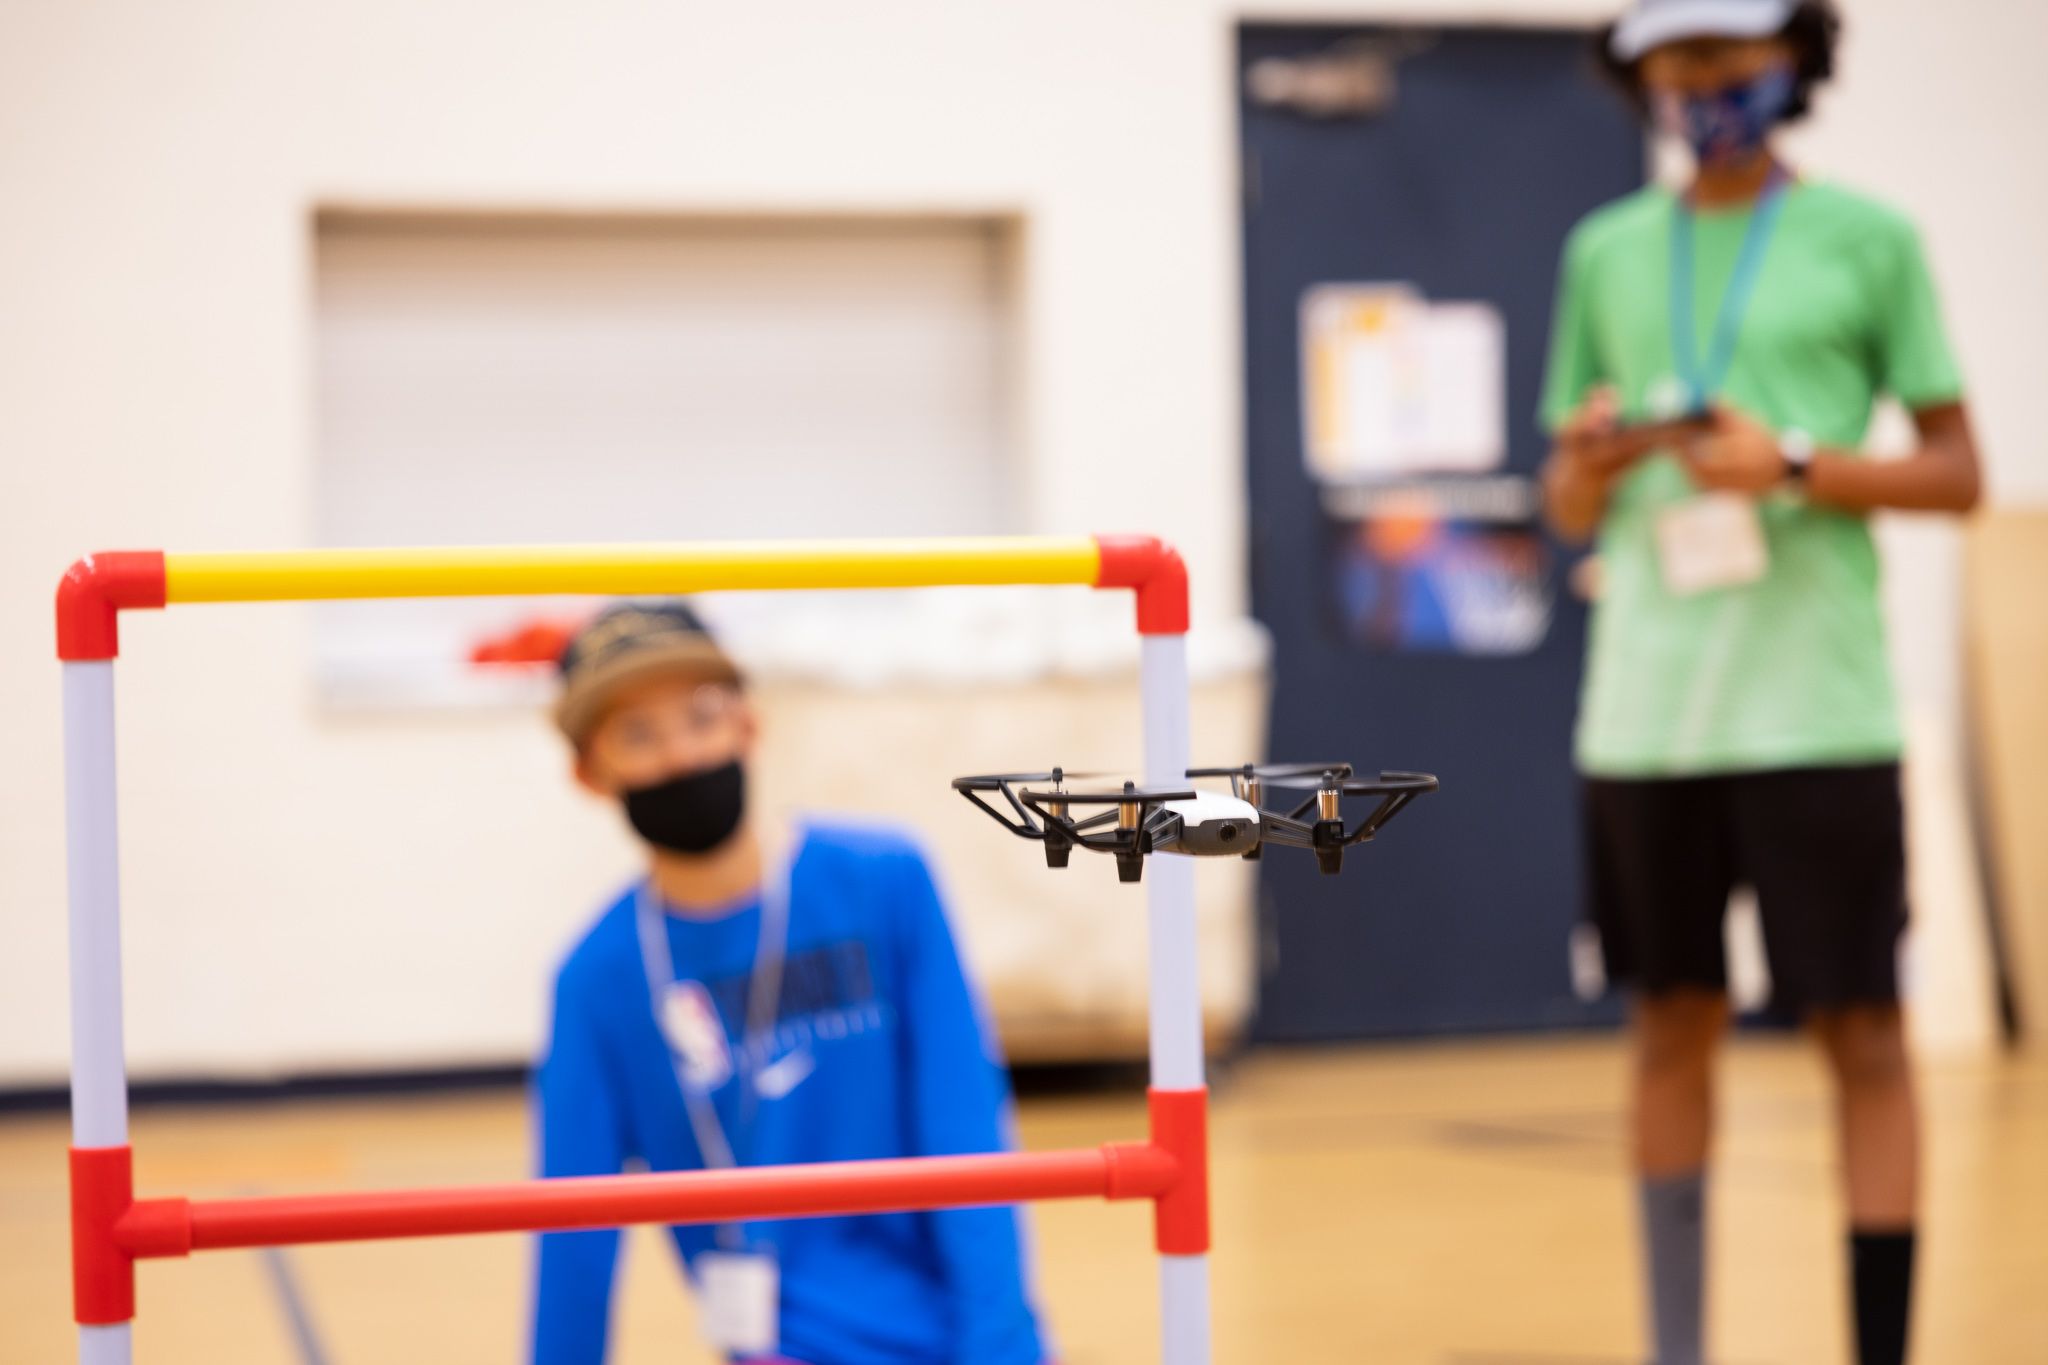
x=1215, y=824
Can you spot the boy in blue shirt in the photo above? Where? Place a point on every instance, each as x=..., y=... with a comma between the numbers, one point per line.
x=743, y=1007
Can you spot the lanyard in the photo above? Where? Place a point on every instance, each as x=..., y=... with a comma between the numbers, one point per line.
x=1703, y=382
x=764, y=998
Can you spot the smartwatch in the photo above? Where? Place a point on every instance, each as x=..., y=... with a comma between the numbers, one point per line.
x=1796, y=449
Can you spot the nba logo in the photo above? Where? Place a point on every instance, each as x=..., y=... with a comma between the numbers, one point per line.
x=697, y=1035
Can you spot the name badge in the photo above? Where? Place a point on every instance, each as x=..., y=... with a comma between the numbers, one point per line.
x=738, y=1293
x=1712, y=540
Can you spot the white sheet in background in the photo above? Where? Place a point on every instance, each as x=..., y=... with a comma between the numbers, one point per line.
x=1394, y=384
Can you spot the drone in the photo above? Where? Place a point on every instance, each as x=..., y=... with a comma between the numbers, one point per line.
x=1131, y=823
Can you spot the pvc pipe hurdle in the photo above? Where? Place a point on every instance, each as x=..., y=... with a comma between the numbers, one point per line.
x=111, y=1230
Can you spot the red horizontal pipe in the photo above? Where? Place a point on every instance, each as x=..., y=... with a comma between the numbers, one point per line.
x=1118, y=1171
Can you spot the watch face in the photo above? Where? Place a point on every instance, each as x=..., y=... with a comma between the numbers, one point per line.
x=1795, y=448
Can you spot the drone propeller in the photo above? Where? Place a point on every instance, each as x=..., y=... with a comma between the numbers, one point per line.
x=1249, y=781
x=1018, y=821
x=1328, y=835
x=1338, y=777
x=1123, y=827
x=1275, y=772
x=989, y=782
x=1131, y=793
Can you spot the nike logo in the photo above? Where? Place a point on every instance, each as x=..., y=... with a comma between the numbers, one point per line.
x=779, y=1077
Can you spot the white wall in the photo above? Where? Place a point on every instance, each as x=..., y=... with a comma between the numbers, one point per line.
x=158, y=164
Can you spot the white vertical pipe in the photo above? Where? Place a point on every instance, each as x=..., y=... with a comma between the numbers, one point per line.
x=99, y=1067
x=1176, y=988
x=111, y=1345
x=1184, y=1310
x=1176, y=995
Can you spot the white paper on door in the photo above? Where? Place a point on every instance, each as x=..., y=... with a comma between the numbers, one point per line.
x=1394, y=384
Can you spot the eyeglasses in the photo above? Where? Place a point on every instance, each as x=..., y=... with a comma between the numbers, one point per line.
x=712, y=705
x=707, y=710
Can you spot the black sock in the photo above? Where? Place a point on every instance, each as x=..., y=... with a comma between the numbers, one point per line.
x=1881, y=1268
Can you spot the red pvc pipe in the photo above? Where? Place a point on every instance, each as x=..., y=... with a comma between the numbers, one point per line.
x=102, y=1278
x=169, y=1227
x=1180, y=1124
x=93, y=593
x=1155, y=569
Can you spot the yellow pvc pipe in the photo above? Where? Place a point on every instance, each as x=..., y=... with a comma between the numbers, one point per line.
x=306, y=575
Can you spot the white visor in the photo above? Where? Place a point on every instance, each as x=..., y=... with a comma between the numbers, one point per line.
x=1653, y=23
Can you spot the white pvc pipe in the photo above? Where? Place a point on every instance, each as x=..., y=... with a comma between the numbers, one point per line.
x=111, y=1345
x=1184, y=1303
x=1176, y=992
x=99, y=1070
x=1176, y=987
x=99, y=1066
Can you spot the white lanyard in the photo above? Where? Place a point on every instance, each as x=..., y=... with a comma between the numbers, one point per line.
x=764, y=1000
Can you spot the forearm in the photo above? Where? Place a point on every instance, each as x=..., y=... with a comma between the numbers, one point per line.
x=1929, y=480
x=1574, y=499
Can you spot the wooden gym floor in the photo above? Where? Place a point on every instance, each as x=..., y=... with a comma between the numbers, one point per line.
x=1457, y=1204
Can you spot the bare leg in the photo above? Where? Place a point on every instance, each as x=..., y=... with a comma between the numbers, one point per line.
x=1880, y=1129
x=1676, y=1035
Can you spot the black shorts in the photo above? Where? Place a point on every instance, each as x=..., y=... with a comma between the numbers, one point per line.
x=1824, y=849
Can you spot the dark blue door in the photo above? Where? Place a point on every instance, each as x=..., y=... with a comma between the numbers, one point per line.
x=1462, y=184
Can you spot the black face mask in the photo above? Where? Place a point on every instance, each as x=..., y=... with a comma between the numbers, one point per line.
x=693, y=813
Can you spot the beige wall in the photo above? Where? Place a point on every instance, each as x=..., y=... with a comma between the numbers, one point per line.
x=157, y=168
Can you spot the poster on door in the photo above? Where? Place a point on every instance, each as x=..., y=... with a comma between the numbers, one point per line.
x=1433, y=547
x=1395, y=384
x=1414, y=570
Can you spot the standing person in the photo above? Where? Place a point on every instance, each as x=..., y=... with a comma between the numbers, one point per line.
x=1738, y=723
x=744, y=1005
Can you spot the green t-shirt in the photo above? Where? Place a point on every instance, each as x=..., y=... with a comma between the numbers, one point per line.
x=1789, y=671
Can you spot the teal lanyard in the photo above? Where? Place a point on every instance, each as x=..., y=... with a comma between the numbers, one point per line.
x=1703, y=382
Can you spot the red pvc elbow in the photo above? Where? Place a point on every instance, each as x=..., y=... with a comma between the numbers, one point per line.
x=95, y=591
x=1156, y=571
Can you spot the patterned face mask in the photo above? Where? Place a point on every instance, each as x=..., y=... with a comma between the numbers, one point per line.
x=1728, y=124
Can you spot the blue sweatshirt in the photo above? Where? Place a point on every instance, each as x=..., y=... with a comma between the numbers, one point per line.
x=884, y=1053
